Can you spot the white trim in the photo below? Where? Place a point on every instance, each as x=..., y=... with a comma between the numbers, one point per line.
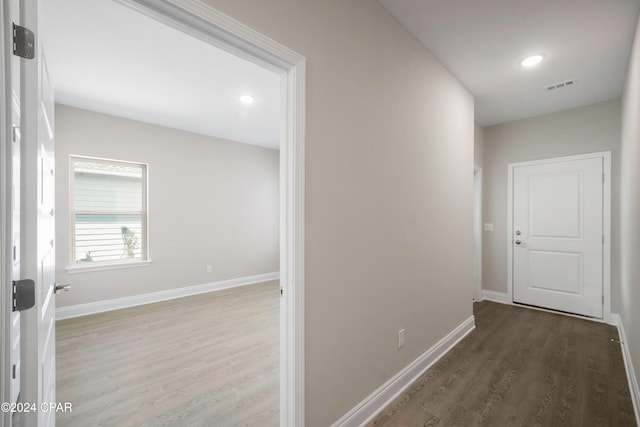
x=292, y=252
x=90, y=267
x=370, y=407
x=606, y=222
x=628, y=364
x=606, y=229
x=133, y=301
x=201, y=20
x=477, y=232
x=616, y=320
x=510, y=167
x=494, y=296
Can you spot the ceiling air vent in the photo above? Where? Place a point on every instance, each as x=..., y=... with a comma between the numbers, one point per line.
x=561, y=85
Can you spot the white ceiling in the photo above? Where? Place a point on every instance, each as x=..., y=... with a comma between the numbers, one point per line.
x=105, y=57
x=482, y=43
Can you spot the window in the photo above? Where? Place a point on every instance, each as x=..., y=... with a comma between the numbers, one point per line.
x=108, y=205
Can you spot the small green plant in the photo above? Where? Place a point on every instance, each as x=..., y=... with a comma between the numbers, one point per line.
x=130, y=241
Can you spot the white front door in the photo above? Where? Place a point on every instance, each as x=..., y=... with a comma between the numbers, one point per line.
x=557, y=235
x=38, y=229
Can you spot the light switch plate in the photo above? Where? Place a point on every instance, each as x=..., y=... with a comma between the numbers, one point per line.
x=488, y=226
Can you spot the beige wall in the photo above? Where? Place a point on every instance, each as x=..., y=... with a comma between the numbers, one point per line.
x=630, y=207
x=581, y=130
x=211, y=202
x=389, y=193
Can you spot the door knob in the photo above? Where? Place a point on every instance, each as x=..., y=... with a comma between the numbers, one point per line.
x=58, y=288
x=518, y=242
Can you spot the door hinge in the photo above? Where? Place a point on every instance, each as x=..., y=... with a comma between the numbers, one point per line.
x=15, y=255
x=14, y=133
x=24, y=295
x=13, y=374
x=23, y=42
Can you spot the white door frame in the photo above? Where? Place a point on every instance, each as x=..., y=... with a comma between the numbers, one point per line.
x=202, y=21
x=477, y=232
x=5, y=216
x=606, y=223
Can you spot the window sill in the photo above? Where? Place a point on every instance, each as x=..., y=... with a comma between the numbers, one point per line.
x=72, y=269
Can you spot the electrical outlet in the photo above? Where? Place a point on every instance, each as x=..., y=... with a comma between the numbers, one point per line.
x=209, y=268
x=401, y=338
x=488, y=226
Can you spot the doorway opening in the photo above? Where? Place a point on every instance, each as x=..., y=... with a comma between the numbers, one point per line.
x=181, y=106
x=208, y=25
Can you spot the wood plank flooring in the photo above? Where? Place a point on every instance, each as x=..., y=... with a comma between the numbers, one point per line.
x=206, y=360
x=521, y=367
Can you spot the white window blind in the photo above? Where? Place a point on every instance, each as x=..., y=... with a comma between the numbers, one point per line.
x=108, y=211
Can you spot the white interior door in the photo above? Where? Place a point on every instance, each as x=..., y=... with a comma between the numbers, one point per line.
x=38, y=229
x=14, y=197
x=11, y=156
x=558, y=236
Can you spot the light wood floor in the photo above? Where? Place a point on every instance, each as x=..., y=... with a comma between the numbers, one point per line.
x=521, y=367
x=205, y=360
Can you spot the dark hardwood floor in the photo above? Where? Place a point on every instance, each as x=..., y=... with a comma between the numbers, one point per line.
x=521, y=367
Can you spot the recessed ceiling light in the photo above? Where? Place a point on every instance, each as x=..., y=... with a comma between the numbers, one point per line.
x=246, y=99
x=531, y=61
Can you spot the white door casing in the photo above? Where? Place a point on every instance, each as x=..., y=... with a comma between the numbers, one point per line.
x=559, y=234
x=38, y=229
x=477, y=233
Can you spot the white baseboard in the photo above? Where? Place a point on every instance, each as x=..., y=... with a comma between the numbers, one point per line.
x=494, y=296
x=366, y=410
x=628, y=364
x=132, y=301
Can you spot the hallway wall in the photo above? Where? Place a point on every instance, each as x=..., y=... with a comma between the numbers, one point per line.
x=389, y=194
